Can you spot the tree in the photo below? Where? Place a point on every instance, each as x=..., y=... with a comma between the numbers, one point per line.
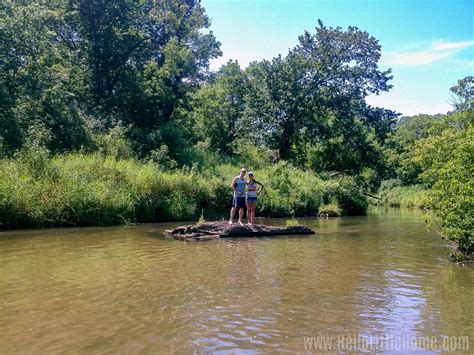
x=463, y=94
x=219, y=106
x=313, y=100
x=400, y=143
x=70, y=67
x=145, y=58
x=447, y=163
x=40, y=81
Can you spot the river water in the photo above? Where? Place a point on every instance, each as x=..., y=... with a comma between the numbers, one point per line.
x=380, y=282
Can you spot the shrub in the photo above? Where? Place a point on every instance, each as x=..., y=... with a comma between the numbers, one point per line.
x=37, y=190
x=404, y=196
x=330, y=209
x=349, y=198
x=449, y=163
x=292, y=222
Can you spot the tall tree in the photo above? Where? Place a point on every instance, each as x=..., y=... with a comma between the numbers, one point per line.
x=145, y=58
x=100, y=61
x=315, y=99
x=463, y=94
x=219, y=106
x=40, y=80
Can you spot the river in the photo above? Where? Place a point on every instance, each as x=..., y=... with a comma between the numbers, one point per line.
x=380, y=282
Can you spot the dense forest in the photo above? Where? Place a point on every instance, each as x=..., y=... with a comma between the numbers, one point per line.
x=110, y=114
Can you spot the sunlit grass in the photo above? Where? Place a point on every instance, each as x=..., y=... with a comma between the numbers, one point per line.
x=91, y=189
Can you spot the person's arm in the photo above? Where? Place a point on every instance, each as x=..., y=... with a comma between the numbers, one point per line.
x=261, y=186
x=232, y=184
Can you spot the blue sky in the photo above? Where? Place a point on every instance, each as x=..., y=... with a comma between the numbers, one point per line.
x=428, y=44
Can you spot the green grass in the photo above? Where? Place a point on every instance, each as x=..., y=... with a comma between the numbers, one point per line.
x=91, y=189
x=413, y=196
x=292, y=222
x=201, y=219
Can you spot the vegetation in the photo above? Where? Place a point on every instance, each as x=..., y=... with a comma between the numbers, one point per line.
x=447, y=162
x=93, y=189
x=330, y=210
x=292, y=222
x=201, y=219
x=432, y=158
x=109, y=114
x=391, y=193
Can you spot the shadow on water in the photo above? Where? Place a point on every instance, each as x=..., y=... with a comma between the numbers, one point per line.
x=130, y=289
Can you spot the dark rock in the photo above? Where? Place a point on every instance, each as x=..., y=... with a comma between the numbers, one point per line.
x=214, y=230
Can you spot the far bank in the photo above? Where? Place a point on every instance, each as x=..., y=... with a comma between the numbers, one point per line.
x=77, y=189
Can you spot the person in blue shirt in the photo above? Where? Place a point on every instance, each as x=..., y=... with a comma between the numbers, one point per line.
x=238, y=184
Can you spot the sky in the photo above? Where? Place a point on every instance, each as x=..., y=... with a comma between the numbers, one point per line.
x=429, y=44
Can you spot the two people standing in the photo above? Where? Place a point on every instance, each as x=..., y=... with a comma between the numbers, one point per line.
x=245, y=195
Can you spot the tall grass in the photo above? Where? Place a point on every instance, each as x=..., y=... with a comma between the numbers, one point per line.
x=412, y=196
x=91, y=189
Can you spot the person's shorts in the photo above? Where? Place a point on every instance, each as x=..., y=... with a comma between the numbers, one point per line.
x=238, y=202
x=252, y=199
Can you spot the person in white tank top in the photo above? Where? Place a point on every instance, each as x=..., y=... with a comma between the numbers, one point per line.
x=252, y=195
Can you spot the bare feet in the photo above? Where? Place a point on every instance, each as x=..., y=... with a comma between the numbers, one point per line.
x=230, y=222
x=240, y=222
x=249, y=224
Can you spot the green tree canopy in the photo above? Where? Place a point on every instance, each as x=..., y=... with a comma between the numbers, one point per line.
x=102, y=62
x=310, y=105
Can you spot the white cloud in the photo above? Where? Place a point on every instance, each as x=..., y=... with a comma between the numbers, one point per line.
x=452, y=45
x=408, y=107
x=438, y=51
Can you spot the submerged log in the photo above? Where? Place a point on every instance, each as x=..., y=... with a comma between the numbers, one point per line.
x=214, y=230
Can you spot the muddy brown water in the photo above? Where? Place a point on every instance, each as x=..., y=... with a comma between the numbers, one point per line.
x=379, y=280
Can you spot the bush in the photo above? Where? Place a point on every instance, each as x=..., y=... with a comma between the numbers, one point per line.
x=292, y=222
x=448, y=162
x=393, y=195
x=349, y=198
x=330, y=209
x=37, y=190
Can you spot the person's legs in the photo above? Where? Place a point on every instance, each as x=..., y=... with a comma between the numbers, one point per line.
x=232, y=212
x=240, y=204
x=251, y=207
x=241, y=214
x=249, y=212
x=254, y=207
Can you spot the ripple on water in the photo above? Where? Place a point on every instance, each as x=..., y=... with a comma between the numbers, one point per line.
x=130, y=290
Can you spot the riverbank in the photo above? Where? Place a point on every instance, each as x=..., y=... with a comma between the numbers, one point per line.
x=76, y=189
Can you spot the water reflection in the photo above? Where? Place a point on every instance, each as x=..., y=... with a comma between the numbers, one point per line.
x=128, y=289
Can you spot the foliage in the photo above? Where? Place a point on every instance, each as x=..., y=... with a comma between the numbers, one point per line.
x=447, y=161
x=400, y=143
x=463, y=94
x=201, y=219
x=437, y=153
x=130, y=79
x=349, y=197
x=310, y=105
x=218, y=107
x=67, y=63
x=41, y=85
x=292, y=222
x=395, y=195
x=38, y=190
x=330, y=209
